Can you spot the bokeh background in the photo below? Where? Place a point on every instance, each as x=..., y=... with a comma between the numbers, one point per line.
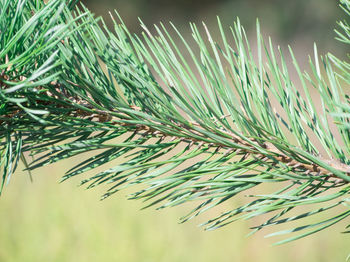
x=297, y=22
x=48, y=221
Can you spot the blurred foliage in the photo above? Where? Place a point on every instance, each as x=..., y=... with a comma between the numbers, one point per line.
x=288, y=21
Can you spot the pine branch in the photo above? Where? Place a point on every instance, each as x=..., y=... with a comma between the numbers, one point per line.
x=200, y=123
x=246, y=147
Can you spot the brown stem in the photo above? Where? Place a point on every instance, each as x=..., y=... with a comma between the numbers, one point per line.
x=251, y=147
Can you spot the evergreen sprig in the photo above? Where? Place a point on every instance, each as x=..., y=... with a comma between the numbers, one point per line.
x=200, y=122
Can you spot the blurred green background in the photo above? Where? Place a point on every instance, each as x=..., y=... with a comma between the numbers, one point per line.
x=295, y=22
x=48, y=221
x=45, y=221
